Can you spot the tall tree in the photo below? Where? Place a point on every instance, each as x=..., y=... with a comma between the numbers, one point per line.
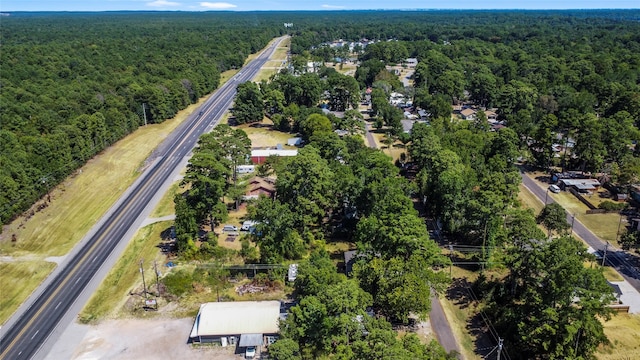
x=248, y=107
x=554, y=303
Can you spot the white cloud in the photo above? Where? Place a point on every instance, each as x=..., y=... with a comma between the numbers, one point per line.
x=162, y=3
x=325, y=6
x=217, y=5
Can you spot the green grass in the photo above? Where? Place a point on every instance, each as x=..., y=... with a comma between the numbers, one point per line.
x=263, y=134
x=166, y=206
x=459, y=314
x=125, y=275
x=18, y=279
x=264, y=74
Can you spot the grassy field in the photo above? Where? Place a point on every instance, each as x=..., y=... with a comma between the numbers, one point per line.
x=263, y=135
x=623, y=331
x=78, y=203
x=396, y=149
x=14, y=275
x=530, y=201
x=271, y=67
x=125, y=277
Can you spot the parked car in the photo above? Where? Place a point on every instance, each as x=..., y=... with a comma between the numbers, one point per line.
x=554, y=189
x=250, y=353
x=230, y=228
x=249, y=225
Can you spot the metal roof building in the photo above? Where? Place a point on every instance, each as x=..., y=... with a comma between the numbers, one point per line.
x=249, y=320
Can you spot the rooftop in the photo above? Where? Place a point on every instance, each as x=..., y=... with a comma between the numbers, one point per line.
x=238, y=317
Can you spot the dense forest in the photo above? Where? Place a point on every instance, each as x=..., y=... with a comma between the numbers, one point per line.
x=74, y=83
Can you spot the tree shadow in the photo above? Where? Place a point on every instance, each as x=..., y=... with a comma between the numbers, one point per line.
x=167, y=241
x=461, y=294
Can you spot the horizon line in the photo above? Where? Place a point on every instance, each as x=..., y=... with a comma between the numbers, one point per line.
x=316, y=10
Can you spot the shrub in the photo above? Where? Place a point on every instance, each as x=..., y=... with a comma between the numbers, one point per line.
x=612, y=206
x=179, y=282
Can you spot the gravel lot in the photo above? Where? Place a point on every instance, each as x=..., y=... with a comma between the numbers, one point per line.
x=135, y=339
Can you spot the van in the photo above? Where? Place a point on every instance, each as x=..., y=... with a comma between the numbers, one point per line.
x=554, y=189
x=229, y=228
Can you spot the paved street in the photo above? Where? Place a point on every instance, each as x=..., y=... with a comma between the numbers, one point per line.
x=616, y=258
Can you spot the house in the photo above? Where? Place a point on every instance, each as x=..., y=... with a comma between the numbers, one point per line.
x=491, y=115
x=411, y=62
x=245, y=323
x=581, y=185
x=468, y=114
x=259, y=186
x=259, y=156
x=423, y=114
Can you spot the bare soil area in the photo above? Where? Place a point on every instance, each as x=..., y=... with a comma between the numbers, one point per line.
x=146, y=339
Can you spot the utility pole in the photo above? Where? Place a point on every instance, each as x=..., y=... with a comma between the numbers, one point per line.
x=604, y=257
x=144, y=114
x=451, y=258
x=572, y=221
x=155, y=268
x=618, y=231
x=144, y=284
x=546, y=195
x=500, y=340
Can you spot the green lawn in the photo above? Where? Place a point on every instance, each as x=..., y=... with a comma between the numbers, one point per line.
x=17, y=281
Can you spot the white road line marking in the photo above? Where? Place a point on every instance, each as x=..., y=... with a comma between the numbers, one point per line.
x=94, y=259
x=34, y=335
x=57, y=306
x=78, y=280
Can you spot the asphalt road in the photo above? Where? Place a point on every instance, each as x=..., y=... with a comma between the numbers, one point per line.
x=622, y=262
x=22, y=338
x=441, y=327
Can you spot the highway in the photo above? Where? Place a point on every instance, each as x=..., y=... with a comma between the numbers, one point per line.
x=616, y=258
x=23, y=338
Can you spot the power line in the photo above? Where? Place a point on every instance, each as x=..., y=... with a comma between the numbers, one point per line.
x=491, y=328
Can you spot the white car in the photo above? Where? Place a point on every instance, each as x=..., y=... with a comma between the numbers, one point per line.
x=248, y=225
x=554, y=189
x=250, y=353
x=230, y=228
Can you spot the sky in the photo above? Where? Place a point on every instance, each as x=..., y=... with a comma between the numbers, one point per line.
x=247, y=5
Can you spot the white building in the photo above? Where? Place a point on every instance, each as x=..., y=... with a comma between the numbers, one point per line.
x=246, y=323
